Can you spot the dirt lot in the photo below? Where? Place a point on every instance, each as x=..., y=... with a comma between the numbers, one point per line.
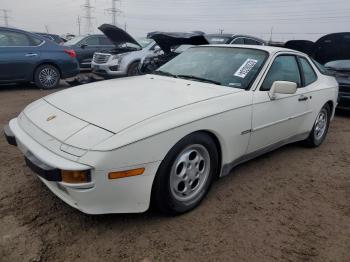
x=290, y=205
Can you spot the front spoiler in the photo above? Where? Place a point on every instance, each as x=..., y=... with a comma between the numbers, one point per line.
x=10, y=137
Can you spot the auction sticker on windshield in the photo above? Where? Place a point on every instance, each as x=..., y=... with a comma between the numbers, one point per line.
x=247, y=66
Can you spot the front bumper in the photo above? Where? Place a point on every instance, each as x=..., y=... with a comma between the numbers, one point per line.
x=101, y=195
x=344, y=100
x=106, y=69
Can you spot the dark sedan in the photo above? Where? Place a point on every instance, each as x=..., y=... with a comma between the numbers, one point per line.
x=86, y=46
x=27, y=57
x=236, y=39
x=341, y=70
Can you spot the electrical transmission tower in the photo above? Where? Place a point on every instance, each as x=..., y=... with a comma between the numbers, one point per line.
x=114, y=11
x=5, y=16
x=88, y=17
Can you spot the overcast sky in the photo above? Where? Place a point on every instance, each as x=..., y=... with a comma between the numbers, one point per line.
x=298, y=19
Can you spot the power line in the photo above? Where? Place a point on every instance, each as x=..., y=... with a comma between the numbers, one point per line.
x=5, y=16
x=114, y=11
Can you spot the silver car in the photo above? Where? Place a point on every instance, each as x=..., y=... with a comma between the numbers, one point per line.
x=125, y=58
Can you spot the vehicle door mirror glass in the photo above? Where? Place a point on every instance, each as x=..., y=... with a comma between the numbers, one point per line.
x=83, y=46
x=282, y=87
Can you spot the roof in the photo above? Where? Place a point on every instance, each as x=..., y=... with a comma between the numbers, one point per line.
x=269, y=49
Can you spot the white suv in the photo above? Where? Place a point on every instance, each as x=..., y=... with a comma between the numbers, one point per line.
x=125, y=58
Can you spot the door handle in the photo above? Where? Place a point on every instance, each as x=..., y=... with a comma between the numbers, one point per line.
x=302, y=98
x=30, y=55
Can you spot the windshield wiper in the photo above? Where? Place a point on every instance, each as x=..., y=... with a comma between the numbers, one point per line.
x=200, y=79
x=163, y=73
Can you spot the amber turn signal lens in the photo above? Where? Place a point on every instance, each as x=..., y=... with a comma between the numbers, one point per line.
x=75, y=177
x=128, y=173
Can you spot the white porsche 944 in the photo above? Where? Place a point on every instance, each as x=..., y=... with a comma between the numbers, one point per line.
x=119, y=146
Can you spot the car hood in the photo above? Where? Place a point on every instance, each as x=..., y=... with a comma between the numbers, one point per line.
x=117, y=36
x=118, y=104
x=168, y=40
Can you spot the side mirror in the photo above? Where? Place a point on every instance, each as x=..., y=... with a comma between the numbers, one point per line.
x=282, y=87
x=83, y=46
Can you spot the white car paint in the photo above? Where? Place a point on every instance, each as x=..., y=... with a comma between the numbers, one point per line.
x=131, y=123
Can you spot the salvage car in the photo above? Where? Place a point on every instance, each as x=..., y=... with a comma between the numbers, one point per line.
x=117, y=146
x=86, y=46
x=171, y=45
x=237, y=39
x=341, y=70
x=124, y=58
x=27, y=57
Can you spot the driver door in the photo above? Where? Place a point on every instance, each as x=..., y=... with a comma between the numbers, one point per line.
x=279, y=120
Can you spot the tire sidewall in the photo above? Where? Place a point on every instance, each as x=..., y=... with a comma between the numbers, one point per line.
x=37, y=80
x=161, y=192
x=318, y=142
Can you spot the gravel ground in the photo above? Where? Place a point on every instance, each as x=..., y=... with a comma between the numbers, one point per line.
x=290, y=205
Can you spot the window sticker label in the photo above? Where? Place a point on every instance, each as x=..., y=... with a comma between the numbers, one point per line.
x=247, y=66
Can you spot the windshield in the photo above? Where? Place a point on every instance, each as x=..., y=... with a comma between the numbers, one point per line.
x=74, y=40
x=144, y=41
x=233, y=67
x=218, y=39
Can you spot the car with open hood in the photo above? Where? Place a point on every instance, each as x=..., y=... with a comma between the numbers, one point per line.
x=119, y=145
x=171, y=44
x=126, y=55
x=86, y=45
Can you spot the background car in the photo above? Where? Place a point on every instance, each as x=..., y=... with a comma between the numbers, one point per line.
x=55, y=38
x=27, y=57
x=86, y=46
x=237, y=39
x=124, y=58
x=341, y=70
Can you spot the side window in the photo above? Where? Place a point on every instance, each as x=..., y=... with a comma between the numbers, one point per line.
x=8, y=38
x=104, y=41
x=249, y=41
x=238, y=41
x=92, y=40
x=309, y=74
x=284, y=68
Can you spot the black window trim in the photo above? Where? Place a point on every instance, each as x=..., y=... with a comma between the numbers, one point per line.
x=269, y=67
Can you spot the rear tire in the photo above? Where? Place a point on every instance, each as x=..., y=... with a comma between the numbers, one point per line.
x=320, y=128
x=47, y=77
x=133, y=69
x=185, y=175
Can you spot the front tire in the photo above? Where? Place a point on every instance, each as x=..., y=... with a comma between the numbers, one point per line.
x=186, y=174
x=133, y=69
x=47, y=77
x=320, y=128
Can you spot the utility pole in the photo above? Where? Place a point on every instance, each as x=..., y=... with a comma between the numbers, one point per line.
x=271, y=33
x=88, y=26
x=47, y=28
x=5, y=16
x=79, y=24
x=221, y=31
x=114, y=11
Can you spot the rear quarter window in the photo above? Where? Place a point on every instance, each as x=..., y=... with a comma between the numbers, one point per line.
x=309, y=74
